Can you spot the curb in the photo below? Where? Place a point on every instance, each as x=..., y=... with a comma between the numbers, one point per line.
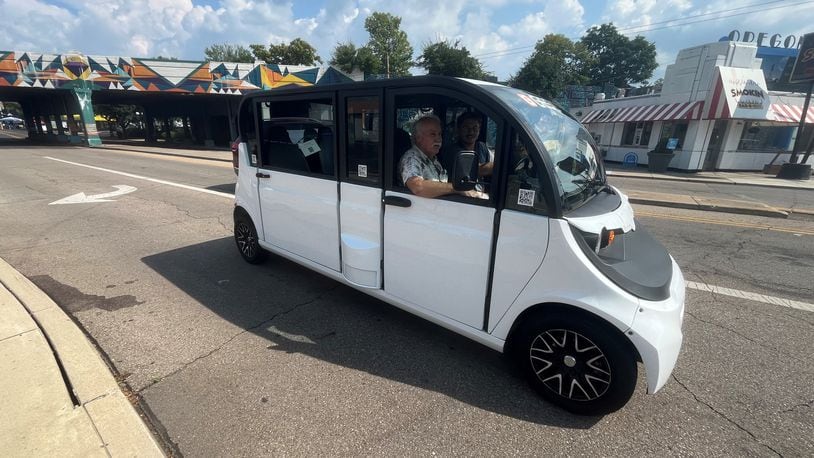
x=801, y=213
x=703, y=180
x=92, y=388
x=161, y=153
x=767, y=211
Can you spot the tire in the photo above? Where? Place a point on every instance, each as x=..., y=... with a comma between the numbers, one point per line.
x=577, y=362
x=246, y=240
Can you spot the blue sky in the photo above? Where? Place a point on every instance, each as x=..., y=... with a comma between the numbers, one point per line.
x=500, y=32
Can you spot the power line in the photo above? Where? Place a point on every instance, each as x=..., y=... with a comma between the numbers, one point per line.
x=647, y=28
x=701, y=15
x=716, y=18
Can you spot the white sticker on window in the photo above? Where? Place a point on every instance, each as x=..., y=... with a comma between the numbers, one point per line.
x=308, y=148
x=362, y=171
x=526, y=197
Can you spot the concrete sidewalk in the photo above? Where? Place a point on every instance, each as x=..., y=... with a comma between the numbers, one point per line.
x=57, y=395
x=734, y=178
x=636, y=197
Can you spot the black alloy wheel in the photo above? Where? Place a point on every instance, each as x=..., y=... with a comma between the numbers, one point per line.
x=582, y=365
x=246, y=240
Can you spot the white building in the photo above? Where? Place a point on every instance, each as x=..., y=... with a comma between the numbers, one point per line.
x=715, y=102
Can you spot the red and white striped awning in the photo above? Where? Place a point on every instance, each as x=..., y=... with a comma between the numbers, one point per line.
x=662, y=112
x=790, y=113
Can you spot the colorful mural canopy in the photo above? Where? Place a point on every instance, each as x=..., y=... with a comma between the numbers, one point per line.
x=52, y=71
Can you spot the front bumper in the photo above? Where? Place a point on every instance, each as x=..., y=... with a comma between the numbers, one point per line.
x=656, y=332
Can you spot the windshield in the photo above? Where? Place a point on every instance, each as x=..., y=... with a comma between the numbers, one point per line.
x=579, y=174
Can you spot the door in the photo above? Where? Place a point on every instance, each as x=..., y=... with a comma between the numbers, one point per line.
x=437, y=255
x=714, y=149
x=437, y=251
x=360, y=209
x=296, y=178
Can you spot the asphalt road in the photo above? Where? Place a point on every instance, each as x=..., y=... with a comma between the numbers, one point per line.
x=234, y=359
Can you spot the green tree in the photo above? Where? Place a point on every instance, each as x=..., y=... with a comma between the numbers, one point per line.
x=167, y=58
x=617, y=59
x=389, y=44
x=555, y=63
x=298, y=52
x=449, y=59
x=122, y=116
x=347, y=57
x=226, y=52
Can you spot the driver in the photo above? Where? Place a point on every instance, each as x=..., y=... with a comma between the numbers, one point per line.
x=467, y=127
x=419, y=168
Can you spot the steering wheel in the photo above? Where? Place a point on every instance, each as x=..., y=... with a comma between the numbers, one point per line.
x=524, y=163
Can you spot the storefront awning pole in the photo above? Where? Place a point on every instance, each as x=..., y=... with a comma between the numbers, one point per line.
x=799, y=140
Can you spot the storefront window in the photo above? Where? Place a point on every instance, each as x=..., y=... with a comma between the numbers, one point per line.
x=637, y=133
x=757, y=136
x=674, y=129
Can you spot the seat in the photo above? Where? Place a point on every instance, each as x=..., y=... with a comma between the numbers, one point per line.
x=401, y=143
x=325, y=138
x=278, y=151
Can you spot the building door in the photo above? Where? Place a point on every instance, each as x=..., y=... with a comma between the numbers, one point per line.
x=716, y=140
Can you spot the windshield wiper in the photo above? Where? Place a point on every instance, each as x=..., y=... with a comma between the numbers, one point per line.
x=592, y=182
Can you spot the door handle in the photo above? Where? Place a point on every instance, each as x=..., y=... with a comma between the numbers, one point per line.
x=262, y=175
x=397, y=201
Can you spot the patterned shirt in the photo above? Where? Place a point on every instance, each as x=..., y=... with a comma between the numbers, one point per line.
x=414, y=163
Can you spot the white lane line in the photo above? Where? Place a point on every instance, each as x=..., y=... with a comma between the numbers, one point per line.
x=690, y=284
x=751, y=296
x=154, y=180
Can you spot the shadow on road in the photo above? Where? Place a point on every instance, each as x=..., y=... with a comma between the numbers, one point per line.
x=298, y=311
x=227, y=187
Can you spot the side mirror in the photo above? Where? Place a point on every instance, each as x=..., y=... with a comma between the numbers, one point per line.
x=571, y=166
x=465, y=171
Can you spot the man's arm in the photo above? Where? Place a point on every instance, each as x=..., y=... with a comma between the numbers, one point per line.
x=428, y=188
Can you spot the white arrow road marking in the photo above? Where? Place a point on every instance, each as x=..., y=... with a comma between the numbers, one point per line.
x=154, y=180
x=82, y=198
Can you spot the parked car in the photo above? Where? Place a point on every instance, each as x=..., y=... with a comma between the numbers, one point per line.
x=548, y=265
x=12, y=122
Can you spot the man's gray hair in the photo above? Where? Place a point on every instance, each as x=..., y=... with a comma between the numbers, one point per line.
x=420, y=120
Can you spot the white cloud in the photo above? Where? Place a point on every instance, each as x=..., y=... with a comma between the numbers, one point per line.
x=308, y=25
x=501, y=32
x=33, y=25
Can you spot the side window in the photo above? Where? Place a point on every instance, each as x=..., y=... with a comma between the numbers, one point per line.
x=524, y=188
x=298, y=136
x=362, y=139
x=463, y=127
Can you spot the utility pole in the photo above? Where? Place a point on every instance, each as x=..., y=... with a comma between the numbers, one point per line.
x=799, y=140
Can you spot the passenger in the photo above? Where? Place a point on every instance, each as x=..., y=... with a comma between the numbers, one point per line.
x=419, y=168
x=467, y=128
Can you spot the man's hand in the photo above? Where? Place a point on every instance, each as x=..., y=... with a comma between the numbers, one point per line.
x=474, y=193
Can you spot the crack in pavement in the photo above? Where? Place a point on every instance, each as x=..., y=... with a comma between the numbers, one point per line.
x=760, y=344
x=808, y=404
x=721, y=414
x=263, y=322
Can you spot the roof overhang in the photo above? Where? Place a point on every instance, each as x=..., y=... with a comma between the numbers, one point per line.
x=659, y=112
